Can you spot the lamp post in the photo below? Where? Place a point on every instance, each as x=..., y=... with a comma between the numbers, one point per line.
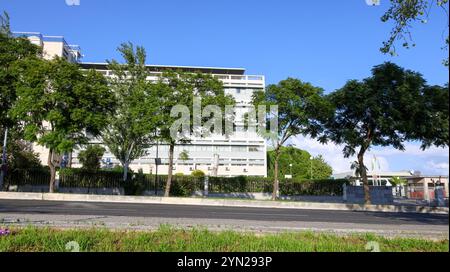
x=156, y=168
x=3, y=168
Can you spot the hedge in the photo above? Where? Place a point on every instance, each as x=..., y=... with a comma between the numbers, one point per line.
x=181, y=185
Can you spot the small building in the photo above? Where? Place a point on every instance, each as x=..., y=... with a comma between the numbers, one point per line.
x=375, y=178
x=422, y=187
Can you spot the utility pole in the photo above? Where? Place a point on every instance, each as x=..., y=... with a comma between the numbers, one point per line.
x=3, y=168
x=156, y=168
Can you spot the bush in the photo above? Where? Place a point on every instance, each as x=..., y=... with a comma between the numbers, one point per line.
x=82, y=178
x=185, y=186
x=91, y=156
x=198, y=173
x=136, y=186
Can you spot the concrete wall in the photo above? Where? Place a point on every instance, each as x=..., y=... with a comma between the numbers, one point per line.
x=45, y=189
x=380, y=195
x=94, y=191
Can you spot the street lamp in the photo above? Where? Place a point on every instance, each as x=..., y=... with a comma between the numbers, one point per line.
x=3, y=165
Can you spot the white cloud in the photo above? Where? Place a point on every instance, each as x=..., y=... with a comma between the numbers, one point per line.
x=438, y=165
x=385, y=156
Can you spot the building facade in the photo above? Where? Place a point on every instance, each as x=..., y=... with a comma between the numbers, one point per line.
x=242, y=153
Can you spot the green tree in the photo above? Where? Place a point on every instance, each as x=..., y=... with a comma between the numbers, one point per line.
x=198, y=173
x=91, y=156
x=398, y=181
x=386, y=109
x=300, y=105
x=59, y=106
x=301, y=164
x=184, y=155
x=13, y=51
x=181, y=88
x=20, y=155
x=131, y=129
x=403, y=14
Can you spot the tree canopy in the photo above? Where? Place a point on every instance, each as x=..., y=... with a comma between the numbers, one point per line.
x=300, y=106
x=131, y=128
x=59, y=106
x=391, y=107
x=302, y=164
x=403, y=14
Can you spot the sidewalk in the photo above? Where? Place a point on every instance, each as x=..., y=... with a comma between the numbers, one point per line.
x=222, y=202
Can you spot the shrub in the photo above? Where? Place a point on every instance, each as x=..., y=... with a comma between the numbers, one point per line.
x=185, y=186
x=136, y=186
x=198, y=173
x=91, y=156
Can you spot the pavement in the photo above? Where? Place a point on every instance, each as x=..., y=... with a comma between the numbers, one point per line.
x=133, y=216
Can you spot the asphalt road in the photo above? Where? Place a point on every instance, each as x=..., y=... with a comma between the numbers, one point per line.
x=46, y=208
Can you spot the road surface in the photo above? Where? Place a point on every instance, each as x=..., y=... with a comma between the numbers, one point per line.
x=150, y=216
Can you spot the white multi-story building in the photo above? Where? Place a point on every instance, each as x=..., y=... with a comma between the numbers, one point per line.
x=242, y=153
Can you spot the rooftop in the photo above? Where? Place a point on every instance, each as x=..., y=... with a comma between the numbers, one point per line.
x=161, y=68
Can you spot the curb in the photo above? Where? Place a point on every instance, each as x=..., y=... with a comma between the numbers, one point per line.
x=221, y=202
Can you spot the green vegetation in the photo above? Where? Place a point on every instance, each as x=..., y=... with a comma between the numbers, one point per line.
x=403, y=15
x=168, y=239
x=198, y=173
x=130, y=129
x=91, y=156
x=300, y=106
x=391, y=107
x=302, y=166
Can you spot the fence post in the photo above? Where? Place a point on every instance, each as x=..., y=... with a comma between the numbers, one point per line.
x=57, y=178
x=344, y=192
x=206, y=186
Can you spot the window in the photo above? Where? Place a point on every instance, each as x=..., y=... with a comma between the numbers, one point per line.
x=238, y=148
x=253, y=149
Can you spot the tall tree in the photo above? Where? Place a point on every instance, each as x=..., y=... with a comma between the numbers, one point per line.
x=181, y=88
x=12, y=52
x=58, y=106
x=300, y=105
x=387, y=109
x=403, y=14
x=131, y=129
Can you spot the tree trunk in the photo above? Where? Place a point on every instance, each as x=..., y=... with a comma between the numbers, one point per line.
x=363, y=174
x=52, y=166
x=125, y=171
x=275, y=174
x=169, y=172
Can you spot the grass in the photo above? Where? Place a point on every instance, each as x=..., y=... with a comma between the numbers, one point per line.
x=169, y=239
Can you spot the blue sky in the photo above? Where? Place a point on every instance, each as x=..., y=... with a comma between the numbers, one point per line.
x=323, y=42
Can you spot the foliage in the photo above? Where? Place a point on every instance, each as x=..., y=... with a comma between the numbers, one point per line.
x=178, y=88
x=19, y=153
x=59, y=106
x=386, y=109
x=398, y=181
x=300, y=105
x=198, y=173
x=131, y=128
x=91, y=156
x=403, y=14
x=184, y=155
x=301, y=164
x=135, y=186
x=172, y=239
x=13, y=53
